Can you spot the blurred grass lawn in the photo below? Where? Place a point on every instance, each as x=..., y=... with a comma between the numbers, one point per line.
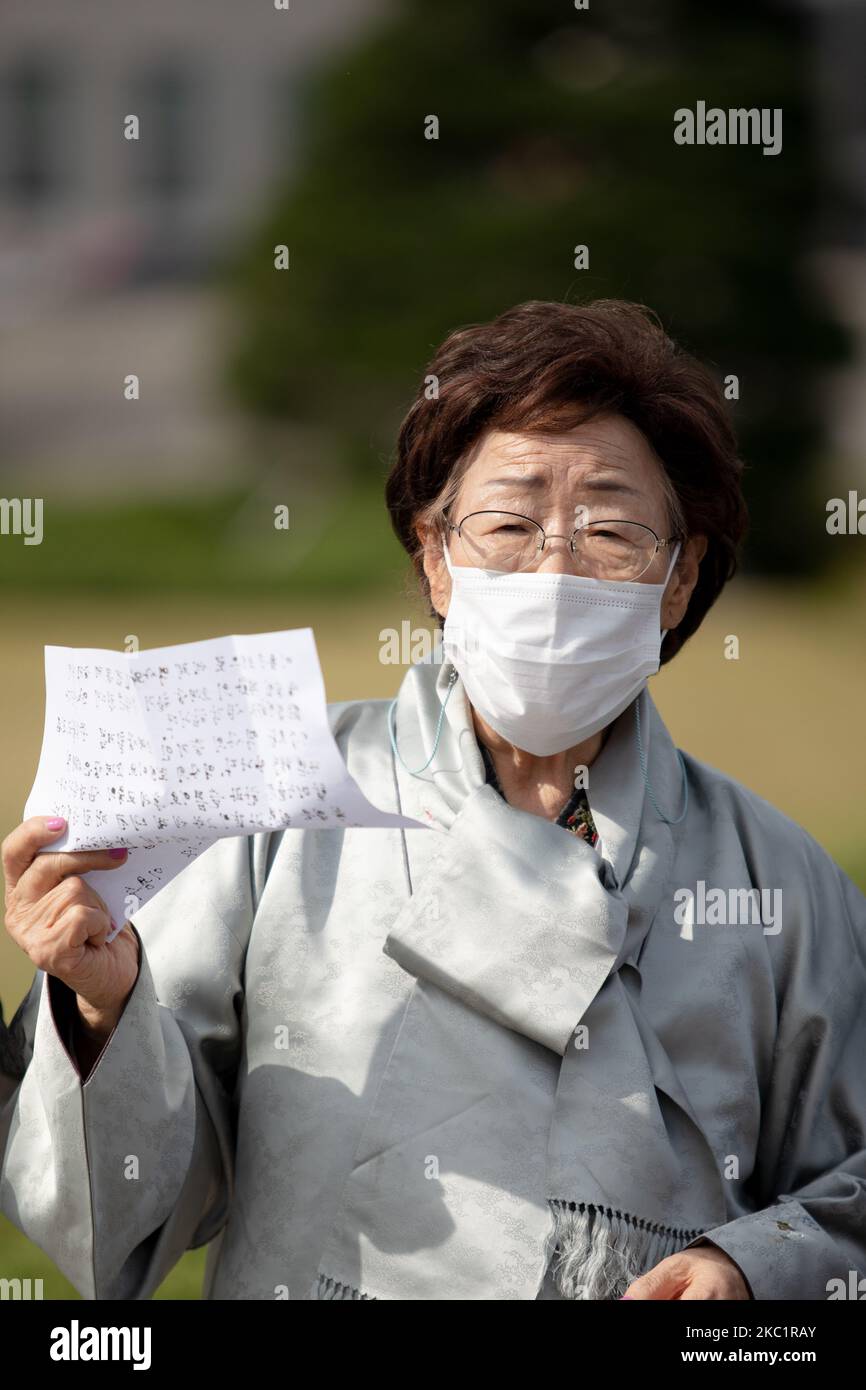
x=786, y=719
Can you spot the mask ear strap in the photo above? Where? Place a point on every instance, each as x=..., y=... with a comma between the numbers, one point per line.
x=677, y=549
x=674, y=557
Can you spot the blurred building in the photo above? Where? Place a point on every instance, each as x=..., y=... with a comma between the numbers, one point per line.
x=103, y=240
x=216, y=87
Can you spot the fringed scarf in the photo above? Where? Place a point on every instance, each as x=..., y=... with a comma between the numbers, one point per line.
x=528, y=1116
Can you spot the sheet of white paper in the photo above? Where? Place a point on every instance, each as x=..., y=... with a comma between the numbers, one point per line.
x=164, y=751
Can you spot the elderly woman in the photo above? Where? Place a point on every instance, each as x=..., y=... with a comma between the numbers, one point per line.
x=598, y=1032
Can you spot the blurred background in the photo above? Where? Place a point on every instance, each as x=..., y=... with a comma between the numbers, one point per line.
x=305, y=127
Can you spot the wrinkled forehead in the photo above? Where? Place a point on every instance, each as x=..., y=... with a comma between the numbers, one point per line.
x=601, y=458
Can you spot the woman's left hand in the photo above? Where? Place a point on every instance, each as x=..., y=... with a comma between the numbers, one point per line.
x=705, y=1271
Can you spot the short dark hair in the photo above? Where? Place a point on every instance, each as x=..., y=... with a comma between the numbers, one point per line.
x=544, y=366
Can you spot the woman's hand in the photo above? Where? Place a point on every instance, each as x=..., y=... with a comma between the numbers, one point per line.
x=61, y=923
x=705, y=1271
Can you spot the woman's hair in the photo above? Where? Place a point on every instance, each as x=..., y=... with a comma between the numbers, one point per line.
x=544, y=367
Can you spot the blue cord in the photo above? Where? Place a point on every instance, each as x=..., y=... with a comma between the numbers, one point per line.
x=451, y=682
x=650, y=791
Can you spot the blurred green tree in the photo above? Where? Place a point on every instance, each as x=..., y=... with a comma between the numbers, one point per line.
x=556, y=129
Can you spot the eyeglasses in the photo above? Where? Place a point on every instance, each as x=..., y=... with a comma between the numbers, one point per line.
x=607, y=548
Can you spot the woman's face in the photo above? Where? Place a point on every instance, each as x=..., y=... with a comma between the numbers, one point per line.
x=604, y=467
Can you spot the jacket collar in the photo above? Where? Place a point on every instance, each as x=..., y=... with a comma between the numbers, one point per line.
x=616, y=789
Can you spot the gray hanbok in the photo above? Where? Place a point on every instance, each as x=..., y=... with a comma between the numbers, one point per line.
x=479, y=1061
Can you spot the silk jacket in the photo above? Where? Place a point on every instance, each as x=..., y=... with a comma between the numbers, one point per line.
x=228, y=1103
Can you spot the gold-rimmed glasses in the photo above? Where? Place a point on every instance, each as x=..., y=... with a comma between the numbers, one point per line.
x=609, y=548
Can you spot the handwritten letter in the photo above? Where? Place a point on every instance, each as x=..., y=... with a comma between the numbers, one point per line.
x=165, y=751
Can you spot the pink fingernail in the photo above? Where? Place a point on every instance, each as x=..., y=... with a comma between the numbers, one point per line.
x=55, y=822
x=116, y=853
x=626, y=1295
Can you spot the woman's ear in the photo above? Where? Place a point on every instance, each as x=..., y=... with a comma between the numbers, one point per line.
x=682, y=581
x=432, y=539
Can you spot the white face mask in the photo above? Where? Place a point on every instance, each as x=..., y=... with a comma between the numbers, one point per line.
x=549, y=659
